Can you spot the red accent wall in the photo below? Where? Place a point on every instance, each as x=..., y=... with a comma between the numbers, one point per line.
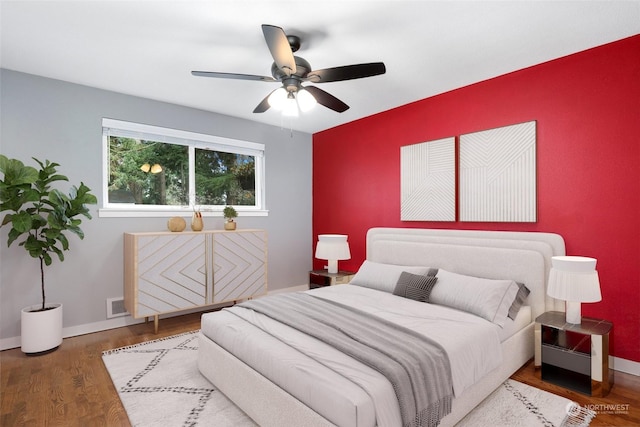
x=587, y=108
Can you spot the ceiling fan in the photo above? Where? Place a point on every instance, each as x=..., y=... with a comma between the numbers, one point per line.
x=292, y=71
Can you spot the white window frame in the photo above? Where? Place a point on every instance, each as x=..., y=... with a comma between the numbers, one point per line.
x=112, y=127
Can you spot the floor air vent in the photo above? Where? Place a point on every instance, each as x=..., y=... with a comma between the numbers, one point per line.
x=115, y=308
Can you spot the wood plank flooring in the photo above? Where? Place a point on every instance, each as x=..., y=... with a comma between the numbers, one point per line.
x=71, y=387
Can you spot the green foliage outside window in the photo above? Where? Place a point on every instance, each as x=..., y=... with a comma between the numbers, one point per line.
x=224, y=178
x=155, y=173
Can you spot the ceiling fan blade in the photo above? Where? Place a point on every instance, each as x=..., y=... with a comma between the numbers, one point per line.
x=327, y=99
x=280, y=49
x=232, y=76
x=264, y=104
x=347, y=72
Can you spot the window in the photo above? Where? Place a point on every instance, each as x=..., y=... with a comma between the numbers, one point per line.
x=155, y=171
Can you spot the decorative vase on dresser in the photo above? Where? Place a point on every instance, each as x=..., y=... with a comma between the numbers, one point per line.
x=196, y=221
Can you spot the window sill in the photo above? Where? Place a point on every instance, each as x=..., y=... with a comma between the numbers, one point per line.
x=159, y=213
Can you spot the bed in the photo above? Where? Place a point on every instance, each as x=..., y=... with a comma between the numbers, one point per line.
x=281, y=377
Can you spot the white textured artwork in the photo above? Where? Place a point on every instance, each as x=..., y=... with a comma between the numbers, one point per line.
x=428, y=189
x=498, y=174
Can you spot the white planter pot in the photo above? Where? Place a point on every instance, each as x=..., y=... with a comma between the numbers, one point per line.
x=41, y=330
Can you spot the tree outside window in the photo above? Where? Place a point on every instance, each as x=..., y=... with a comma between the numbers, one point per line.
x=224, y=178
x=156, y=170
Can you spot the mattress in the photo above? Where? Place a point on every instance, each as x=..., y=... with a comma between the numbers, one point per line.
x=340, y=388
x=512, y=326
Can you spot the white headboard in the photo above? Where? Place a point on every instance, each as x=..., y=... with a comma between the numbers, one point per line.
x=521, y=256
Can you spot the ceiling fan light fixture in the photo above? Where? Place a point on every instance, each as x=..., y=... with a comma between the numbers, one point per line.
x=292, y=70
x=306, y=101
x=278, y=98
x=290, y=108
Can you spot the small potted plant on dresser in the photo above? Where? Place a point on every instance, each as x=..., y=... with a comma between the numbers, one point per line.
x=39, y=216
x=229, y=213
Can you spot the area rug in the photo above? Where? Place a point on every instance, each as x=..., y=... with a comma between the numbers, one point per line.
x=159, y=384
x=515, y=404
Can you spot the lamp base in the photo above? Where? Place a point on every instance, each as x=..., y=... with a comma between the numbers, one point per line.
x=574, y=313
x=332, y=266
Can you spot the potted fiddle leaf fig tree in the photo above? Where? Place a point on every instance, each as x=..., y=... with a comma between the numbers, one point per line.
x=39, y=217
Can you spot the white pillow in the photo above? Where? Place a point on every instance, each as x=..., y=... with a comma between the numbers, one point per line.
x=383, y=277
x=487, y=298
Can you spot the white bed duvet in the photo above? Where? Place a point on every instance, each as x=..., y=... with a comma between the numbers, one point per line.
x=337, y=386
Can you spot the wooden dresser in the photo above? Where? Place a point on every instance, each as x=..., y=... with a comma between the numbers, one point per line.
x=167, y=272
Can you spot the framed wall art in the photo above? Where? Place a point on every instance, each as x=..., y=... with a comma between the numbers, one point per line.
x=427, y=181
x=497, y=175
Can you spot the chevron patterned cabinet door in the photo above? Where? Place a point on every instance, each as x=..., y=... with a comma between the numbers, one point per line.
x=240, y=265
x=171, y=273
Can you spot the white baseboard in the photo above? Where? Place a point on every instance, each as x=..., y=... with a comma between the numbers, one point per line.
x=624, y=365
x=7, y=343
x=72, y=331
x=119, y=322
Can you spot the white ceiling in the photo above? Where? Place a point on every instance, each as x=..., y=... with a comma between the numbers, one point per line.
x=148, y=48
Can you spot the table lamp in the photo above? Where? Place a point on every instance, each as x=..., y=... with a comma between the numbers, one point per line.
x=332, y=247
x=575, y=280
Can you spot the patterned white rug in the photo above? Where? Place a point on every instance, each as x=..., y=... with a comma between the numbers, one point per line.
x=514, y=404
x=159, y=385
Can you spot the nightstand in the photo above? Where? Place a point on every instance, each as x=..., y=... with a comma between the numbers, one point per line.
x=319, y=278
x=575, y=356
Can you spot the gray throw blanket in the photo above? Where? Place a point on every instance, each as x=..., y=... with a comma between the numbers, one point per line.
x=416, y=366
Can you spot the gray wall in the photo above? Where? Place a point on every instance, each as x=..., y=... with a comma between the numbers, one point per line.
x=62, y=122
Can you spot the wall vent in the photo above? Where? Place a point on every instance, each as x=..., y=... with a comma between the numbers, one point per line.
x=115, y=308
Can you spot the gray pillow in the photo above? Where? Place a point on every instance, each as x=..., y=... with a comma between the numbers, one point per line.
x=414, y=286
x=523, y=293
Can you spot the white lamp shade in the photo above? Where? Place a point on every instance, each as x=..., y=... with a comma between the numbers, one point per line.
x=306, y=101
x=332, y=247
x=574, y=279
x=278, y=98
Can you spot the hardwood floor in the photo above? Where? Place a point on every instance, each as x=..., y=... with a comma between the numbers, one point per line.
x=71, y=387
